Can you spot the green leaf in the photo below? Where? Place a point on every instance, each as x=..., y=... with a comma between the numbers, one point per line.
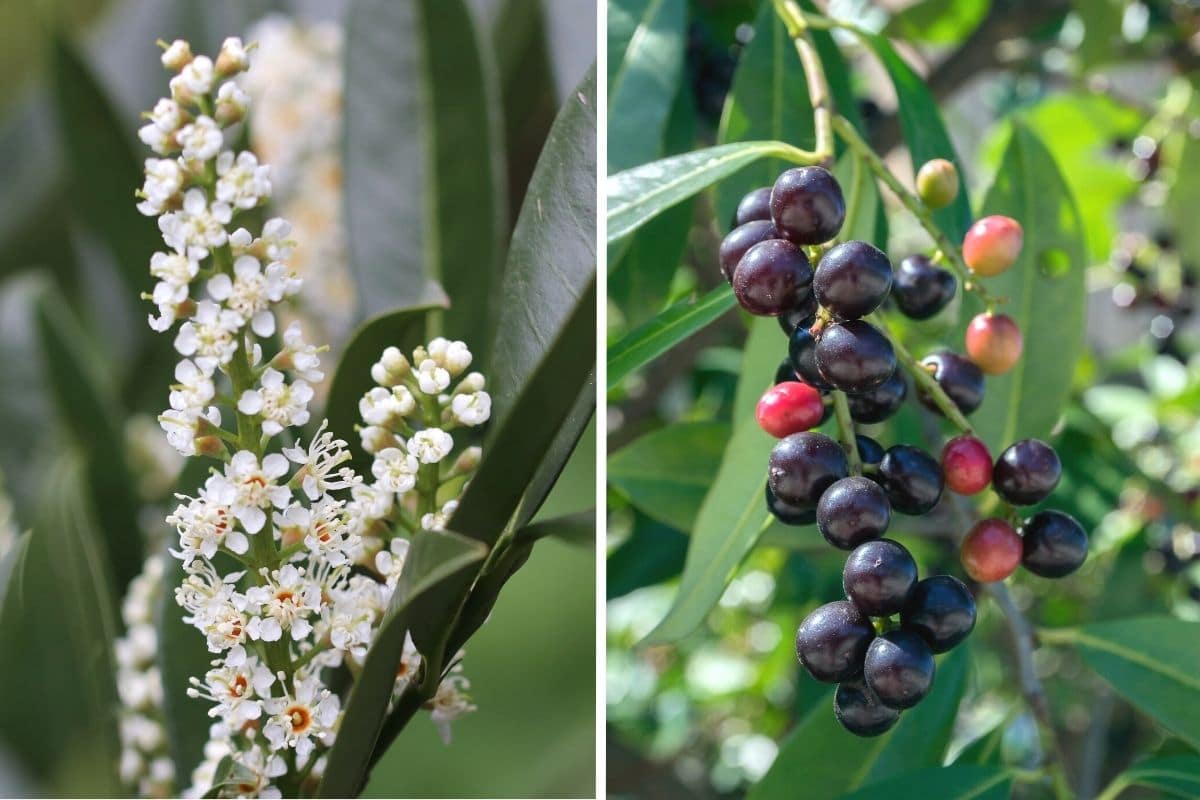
x=559, y=452
x=638, y=195
x=1177, y=776
x=641, y=346
x=1151, y=662
x=578, y=528
x=438, y=568
x=424, y=175
x=1045, y=291
x=645, y=79
x=862, y=200
x=957, y=782
x=829, y=761
x=667, y=472
x=938, y=21
x=768, y=100
x=1184, y=198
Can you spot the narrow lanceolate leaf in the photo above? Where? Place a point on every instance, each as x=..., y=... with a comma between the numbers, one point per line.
x=1045, y=291
x=646, y=75
x=637, y=195
x=646, y=343
x=578, y=528
x=769, y=100
x=829, y=761
x=437, y=570
x=957, y=782
x=1151, y=662
x=1174, y=776
x=424, y=196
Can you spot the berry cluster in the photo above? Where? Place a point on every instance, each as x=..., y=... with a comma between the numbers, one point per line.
x=879, y=643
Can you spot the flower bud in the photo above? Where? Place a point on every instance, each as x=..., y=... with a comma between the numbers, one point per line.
x=232, y=59
x=474, y=382
x=468, y=460
x=232, y=102
x=376, y=438
x=210, y=446
x=937, y=183
x=391, y=369
x=176, y=55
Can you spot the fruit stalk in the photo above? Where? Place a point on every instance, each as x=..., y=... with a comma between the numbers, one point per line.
x=796, y=22
x=924, y=380
x=841, y=411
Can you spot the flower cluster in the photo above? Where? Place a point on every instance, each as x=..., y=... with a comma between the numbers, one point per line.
x=269, y=541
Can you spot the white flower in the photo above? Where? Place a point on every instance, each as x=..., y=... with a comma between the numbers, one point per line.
x=375, y=438
x=182, y=427
x=175, y=272
x=391, y=368
x=209, y=336
x=254, y=487
x=284, y=602
x=322, y=528
x=216, y=609
x=410, y=665
x=321, y=467
x=279, y=404
x=177, y=55
x=299, y=356
x=384, y=407
x=205, y=523
x=438, y=519
x=395, y=470
x=237, y=685
x=164, y=179
x=454, y=356
x=159, y=133
x=232, y=102
x=275, y=239
x=353, y=613
x=257, y=768
x=194, y=390
x=390, y=562
x=367, y=504
x=431, y=377
x=196, y=228
x=242, y=182
x=297, y=720
x=193, y=80
x=250, y=292
x=200, y=140
x=450, y=702
x=232, y=58
x=430, y=445
x=471, y=409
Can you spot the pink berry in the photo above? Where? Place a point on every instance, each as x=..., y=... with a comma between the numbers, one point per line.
x=994, y=342
x=991, y=551
x=966, y=465
x=789, y=407
x=992, y=245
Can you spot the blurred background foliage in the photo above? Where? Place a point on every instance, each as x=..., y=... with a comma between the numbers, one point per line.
x=1109, y=88
x=84, y=377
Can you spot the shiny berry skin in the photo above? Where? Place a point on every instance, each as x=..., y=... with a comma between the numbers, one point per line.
x=859, y=711
x=832, y=641
x=854, y=356
x=739, y=240
x=922, y=289
x=879, y=577
x=937, y=183
x=852, y=511
x=785, y=373
x=899, y=668
x=789, y=514
x=959, y=378
x=755, y=205
x=911, y=479
x=966, y=465
x=802, y=352
x=942, y=610
x=869, y=450
x=991, y=551
x=879, y=403
x=1054, y=544
x=992, y=245
x=852, y=279
x=802, y=315
x=994, y=342
x=803, y=466
x=772, y=278
x=788, y=408
x=1027, y=472
x=807, y=205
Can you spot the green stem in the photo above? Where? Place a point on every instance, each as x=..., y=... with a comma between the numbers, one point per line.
x=925, y=382
x=1114, y=789
x=797, y=24
x=841, y=411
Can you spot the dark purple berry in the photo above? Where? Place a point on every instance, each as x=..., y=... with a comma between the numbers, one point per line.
x=860, y=712
x=789, y=514
x=852, y=279
x=942, y=610
x=832, y=641
x=879, y=577
x=755, y=205
x=807, y=205
x=802, y=316
x=899, y=668
x=854, y=356
x=852, y=511
x=879, y=403
x=922, y=289
x=1027, y=472
x=869, y=450
x=1054, y=544
x=912, y=479
x=959, y=378
x=772, y=278
x=785, y=373
x=803, y=466
x=739, y=240
x=802, y=352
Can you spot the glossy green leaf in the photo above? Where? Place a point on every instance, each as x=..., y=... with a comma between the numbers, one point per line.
x=638, y=195
x=437, y=570
x=578, y=528
x=1174, y=776
x=652, y=554
x=764, y=348
x=939, y=21
x=424, y=196
x=646, y=343
x=667, y=472
x=957, y=782
x=768, y=101
x=559, y=452
x=1045, y=291
x=1151, y=662
x=644, y=76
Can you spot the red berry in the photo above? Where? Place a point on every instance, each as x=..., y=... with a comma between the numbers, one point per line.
x=992, y=245
x=790, y=407
x=994, y=342
x=991, y=551
x=966, y=465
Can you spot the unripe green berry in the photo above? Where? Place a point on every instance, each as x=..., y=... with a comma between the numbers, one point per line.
x=937, y=183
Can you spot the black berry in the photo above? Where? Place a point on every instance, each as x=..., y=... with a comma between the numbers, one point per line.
x=959, y=378
x=807, y=205
x=879, y=403
x=879, y=577
x=860, y=712
x=772, y=278
x=869, y=450
x=912, y=479
x=1054, y=544
x=789, y=514
x=755, y=205
x=922, y=289
x=852, y=279
x=739, y=240
x=942, y=610
x=899, y=668
x=785, y=373
x=832, y=641
x=1026, y=472
x=852, y=511
x=802, y=352
x=801, y=316
x=803, y=466
x=854, y=356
